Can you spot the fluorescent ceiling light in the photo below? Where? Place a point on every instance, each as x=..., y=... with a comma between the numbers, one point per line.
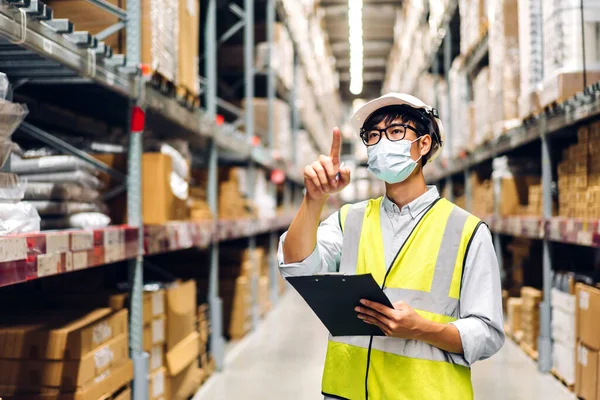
x=355, y=31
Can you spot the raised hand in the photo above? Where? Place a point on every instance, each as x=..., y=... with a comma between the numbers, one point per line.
x=320, y=177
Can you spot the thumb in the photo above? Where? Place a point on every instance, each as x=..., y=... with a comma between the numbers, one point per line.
x=345, y=176
x=398, y=305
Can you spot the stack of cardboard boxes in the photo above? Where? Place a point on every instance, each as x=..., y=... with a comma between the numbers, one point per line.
x=534, y=206
x=504, y=65
x=474, y=23
x=81, y=355
x=530, y=317
x=531, y=55
x=579, y=176
x=563, y=335
x=182, y=345
x=568, y=38
x=232, y=202
x=154, y=320
x=206, y=362
x=587, y=382
x=513, y=314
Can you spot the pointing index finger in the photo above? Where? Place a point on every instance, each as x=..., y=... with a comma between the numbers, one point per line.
x=336, y=146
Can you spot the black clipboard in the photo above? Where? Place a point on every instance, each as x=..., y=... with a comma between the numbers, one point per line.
x=333, y=298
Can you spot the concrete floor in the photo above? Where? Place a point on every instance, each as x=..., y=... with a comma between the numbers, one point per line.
x=283, y=360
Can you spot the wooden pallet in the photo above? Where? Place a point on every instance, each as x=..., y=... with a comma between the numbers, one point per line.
x=529, y=351
x=186, y=97
x=571, y=386
x=161, y=83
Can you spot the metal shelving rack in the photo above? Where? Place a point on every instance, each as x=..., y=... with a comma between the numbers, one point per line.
x=57, y=54
x=551, y=123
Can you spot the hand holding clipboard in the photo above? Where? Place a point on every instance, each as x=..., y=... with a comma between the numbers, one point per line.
x=334, y=297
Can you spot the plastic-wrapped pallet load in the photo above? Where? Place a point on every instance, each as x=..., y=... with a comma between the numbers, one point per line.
x=481, y=100
x=531, y=55
x=459, y=96
x=169, y=36
x=563, y=334
x=281, y=123
x=564, y=44
x=504, y=66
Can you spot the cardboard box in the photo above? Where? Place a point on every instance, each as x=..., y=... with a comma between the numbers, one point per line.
x=159, y=204
x=154, y=334
x=65, y=374
x=181, y=312
x=514, y=305
x=189, y=36
x=68, y=335
x=102, y=387
x=586, y=383
x=124, y=395
x=157, y=384
x=184, y=384
x=154, y=305
x=588, y=310
x=183, y=354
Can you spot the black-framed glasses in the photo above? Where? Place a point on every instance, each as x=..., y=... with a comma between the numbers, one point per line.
x=394, y=133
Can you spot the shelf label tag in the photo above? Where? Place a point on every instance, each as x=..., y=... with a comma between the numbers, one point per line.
x=570, y=225
x=47, y=45
x=82, y=241
x=80, y=260
x=584, y=300
x=48, y=264
x=57, y=243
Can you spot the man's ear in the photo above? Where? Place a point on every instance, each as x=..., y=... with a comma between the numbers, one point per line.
x=425, y=145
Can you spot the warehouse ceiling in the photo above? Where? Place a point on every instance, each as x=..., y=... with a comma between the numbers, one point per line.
x=378, y=21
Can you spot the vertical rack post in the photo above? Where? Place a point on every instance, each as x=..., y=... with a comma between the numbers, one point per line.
x=497, y=182
x=134, y=205
x=295, y=112
x=545, y=341
x=273, y=283
x=249, y=120
x=217, y=343
x=448, y=128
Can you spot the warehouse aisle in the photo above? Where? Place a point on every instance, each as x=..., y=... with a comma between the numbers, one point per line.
x=283, y=359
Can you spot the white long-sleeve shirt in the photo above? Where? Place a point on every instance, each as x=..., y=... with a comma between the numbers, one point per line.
x=480, y=324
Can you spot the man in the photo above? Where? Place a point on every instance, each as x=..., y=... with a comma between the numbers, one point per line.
x=435, y=262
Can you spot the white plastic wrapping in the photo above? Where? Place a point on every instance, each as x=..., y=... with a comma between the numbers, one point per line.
x=3, y=86
x=89, y=220
x=181, y=171
x=12, y=188
x=18, y=218
x=179, y=186
x=45, y=208
x=82, y=178
x=180, y=165
x=20, y=165
x=59, y=191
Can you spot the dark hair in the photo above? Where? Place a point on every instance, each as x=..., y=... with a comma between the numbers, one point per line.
x=403, y=113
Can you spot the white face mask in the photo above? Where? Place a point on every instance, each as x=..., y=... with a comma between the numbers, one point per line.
x=391, y=161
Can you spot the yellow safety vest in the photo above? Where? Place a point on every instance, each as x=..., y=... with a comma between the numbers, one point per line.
x=426, y=274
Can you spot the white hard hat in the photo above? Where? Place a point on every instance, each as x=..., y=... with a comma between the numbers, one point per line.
x=399, y=99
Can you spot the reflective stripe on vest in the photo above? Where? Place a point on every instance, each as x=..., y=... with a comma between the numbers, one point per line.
x=426, y=274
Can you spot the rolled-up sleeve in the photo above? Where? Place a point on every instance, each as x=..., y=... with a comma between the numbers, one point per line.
x=326, y=255
x=481, y=325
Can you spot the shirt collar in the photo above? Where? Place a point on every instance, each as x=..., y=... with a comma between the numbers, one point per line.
x=415, y=207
